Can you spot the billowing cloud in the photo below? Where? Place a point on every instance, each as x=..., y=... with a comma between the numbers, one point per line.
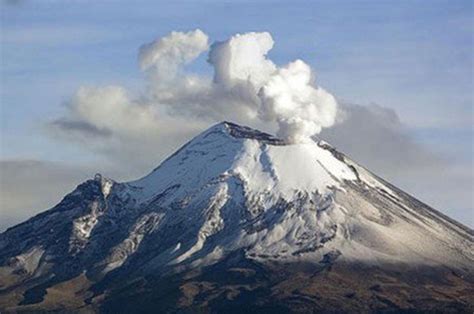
x=243, y=58
x=285, y=95
x=168, y=53
x=246, y=87
x=300, y=109
x=109, y=108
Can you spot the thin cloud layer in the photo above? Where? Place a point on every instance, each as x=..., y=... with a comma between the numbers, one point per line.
x=28, y=187
x=375, y=136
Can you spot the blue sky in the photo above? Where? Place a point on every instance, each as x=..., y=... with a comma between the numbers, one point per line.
x=414, y=57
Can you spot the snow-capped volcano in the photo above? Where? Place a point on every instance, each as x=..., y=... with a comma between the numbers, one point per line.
x=231, y=191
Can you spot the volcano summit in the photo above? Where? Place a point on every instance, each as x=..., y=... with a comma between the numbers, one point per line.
x=239, y=220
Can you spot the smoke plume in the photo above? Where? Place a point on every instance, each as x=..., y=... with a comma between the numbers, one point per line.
x=246, y=87
x=300, y=109
x=168, y=53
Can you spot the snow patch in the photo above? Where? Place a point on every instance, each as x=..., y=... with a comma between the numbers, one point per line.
x=213, y=223
x=28, y=261
x=105, y=184
x=120, y=253
x=82, y=226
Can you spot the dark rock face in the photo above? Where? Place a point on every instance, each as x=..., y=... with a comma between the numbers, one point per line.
x=102, y=249
x=239, y=131
x=237, y=285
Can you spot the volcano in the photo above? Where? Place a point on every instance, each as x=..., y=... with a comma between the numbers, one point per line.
x=239, y=220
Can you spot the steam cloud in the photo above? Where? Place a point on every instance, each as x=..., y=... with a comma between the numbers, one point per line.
x=168, y=53
x=300, y=109
x=246, y=87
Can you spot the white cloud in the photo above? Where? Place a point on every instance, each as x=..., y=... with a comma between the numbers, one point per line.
x=166, y=54
x=243, y=58
x=300, y=109
x=110, y=108
x=247, y=87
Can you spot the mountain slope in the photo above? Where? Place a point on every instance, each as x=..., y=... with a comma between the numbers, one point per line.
x=241, y=205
